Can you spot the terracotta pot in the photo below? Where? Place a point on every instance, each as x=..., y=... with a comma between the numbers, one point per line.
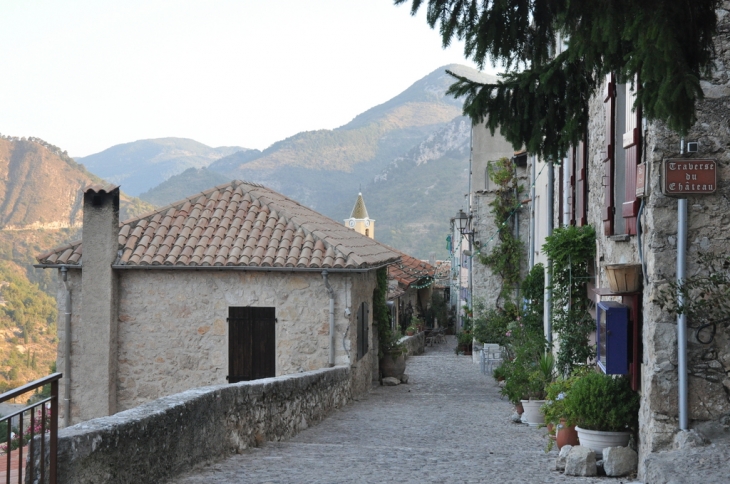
x=519, y=409
x=410, y=333
x=393, y=365
x=566, y=435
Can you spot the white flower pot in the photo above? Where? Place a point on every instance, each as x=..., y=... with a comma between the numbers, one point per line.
x=597, y=440
x=533, y=415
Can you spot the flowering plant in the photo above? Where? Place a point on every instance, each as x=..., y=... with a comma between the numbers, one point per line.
x=19, y=440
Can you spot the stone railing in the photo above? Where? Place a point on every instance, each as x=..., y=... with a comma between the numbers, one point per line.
x=415, y=344
x=171, y=435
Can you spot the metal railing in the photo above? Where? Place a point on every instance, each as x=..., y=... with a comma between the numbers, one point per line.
x=34, y=422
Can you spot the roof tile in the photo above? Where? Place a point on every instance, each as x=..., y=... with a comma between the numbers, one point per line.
x=241, y=224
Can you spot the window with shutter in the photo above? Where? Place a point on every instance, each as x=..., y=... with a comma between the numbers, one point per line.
x=571, y=170
x=251, y=343
x=362, y=330
x=581, y=185
x=609, y=95
x=632, y=155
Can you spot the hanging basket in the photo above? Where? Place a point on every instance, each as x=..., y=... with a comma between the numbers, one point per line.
x=623, y=277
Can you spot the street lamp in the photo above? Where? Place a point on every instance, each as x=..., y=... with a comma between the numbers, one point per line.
x=462, y=221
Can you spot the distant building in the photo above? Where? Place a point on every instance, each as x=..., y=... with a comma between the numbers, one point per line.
x=359, y=219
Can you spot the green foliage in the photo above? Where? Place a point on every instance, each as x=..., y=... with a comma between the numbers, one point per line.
x=570, y=250
x=504, y=258
x=603, y=402
x=705, y=296
x=388, y=340
x=542, y=101
x=526, y=365
x=554, y=408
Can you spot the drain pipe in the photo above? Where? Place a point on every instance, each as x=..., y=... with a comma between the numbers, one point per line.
x=67, y=350
x=331, y=293
x=682, y=318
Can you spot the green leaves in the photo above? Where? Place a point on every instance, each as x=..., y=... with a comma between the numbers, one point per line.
x=542, y=101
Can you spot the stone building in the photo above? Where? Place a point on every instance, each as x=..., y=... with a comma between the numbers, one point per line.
x=236, y=283
x=613, y=181
x=410, y=287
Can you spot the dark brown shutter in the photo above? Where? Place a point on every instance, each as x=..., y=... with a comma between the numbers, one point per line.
x=363, y=335
x=632, y=145
x=561, y=189
x=571, y=200
x=251, y=343
x=609, y=97
x=581, y=185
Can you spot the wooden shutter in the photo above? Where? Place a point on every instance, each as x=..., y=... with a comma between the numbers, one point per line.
x=363, y=334
x=609, y=100
x=561, y=189
x=251, y=343
x=632, y=145
x=571, y=193
x=581, y=185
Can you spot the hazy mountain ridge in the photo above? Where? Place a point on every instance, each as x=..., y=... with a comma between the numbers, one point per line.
x=192, y=180
x=143, y=164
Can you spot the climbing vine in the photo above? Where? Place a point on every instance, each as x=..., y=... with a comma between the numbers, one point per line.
x=504, y=258
x=570, y=249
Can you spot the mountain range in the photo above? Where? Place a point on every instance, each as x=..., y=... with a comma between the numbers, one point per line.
x=409, y=156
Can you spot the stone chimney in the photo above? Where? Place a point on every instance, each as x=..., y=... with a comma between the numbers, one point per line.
x=95, y=364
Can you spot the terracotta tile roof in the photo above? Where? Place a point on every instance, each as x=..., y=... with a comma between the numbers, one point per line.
x=409, y=270
x=237, y=224
x=359, y=211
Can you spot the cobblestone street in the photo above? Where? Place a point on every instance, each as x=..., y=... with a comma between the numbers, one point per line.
x=447, y=425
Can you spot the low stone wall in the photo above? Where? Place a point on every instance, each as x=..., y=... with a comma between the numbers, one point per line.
x=159, y=440
x=415, y=344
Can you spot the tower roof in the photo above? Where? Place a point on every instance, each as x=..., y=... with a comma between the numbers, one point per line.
x=359, y=211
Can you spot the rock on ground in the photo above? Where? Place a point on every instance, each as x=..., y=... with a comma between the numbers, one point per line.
x=619, y=461
x=390, y=381
x=581, y=461
x=560, y=461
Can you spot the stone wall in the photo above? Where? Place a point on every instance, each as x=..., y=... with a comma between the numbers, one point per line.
x=709, y=219
x=416, y=344
x=169, y=436
x=173, y=335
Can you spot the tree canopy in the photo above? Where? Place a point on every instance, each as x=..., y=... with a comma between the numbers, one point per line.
x=557, y=53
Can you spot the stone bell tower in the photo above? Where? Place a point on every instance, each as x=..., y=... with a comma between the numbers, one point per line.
x=359, y=219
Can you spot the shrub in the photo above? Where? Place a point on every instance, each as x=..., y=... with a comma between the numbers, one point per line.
x=603, y=402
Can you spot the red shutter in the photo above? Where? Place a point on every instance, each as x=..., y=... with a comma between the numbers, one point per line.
x=571, y=170
x=581, y=194
x=608, y=156
x=632, y=145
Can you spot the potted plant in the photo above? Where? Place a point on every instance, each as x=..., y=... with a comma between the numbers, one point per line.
x=537, y=382
x=410, y=331
x=604, y=409
x=555, y=412
x=392, y=355
x=465, y=340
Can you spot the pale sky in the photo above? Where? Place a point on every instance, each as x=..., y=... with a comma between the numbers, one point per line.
x=86, y=75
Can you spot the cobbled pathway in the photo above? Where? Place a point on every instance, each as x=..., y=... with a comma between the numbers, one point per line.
x=448, y=424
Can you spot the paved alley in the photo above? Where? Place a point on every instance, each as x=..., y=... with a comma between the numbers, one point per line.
x=447, y=425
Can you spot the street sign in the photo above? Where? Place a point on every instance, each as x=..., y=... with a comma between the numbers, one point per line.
x=641, y=180
x=682, y=177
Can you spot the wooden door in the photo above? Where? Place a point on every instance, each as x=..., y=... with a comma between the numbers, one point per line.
x=251, y=343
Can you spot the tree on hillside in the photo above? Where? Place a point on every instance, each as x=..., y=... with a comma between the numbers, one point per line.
x=557, y=52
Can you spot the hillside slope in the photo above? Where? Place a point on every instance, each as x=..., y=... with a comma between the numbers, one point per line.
x=40, y=208
x=413, y=199
x=189, y=182
x=141, y=165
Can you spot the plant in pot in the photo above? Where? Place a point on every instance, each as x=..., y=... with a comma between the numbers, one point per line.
x=563, y=431
x=392, y=355
x=464, y=340
x=411, y=330
x=604, y=409
x=537, y=382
